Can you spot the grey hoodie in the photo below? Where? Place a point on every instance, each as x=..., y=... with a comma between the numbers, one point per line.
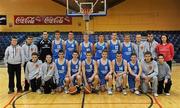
x=48, y=71
x=14, y=55
x=151, y=46
x=33, y=70
x=164, y=71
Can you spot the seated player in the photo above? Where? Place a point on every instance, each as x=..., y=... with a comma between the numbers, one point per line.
x=49, y=75
x=89, y=69
x=62, y=67
x=32, y=73
x=135, y=71
x=149, y=73
x=164, y=76
x=119, y=66
x=105, y=73
x=74, y=71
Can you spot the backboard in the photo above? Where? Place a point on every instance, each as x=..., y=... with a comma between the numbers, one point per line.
x=77, y=7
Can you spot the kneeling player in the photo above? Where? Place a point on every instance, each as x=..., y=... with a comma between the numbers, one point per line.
x=74, y=71
x=89, y=69
x=62, y=66
x=119, y=66
x=135, y=71
x=105, y=72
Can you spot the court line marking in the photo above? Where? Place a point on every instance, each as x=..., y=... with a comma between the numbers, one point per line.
x=151, y=99
x=9, y=102
x=157, y=102
x=82, y=105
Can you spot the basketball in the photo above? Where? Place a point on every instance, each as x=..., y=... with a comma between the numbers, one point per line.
x=87, y=89
x=72, y=90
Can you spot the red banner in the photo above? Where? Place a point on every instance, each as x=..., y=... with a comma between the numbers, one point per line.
x=42, y=20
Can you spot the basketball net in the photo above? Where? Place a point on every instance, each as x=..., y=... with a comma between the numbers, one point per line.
x=86, y=14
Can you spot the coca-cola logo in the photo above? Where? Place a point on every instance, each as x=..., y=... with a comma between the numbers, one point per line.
x=42, y=20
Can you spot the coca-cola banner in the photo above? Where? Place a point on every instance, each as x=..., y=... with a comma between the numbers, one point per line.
x=42, y=20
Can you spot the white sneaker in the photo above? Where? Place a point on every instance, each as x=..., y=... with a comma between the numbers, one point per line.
x=167, y=94
x=66, y=90
x=109, y=92
x=38, y=91
x=53, y=92
x=155, y=94
x=124, y=92
x=137, y=92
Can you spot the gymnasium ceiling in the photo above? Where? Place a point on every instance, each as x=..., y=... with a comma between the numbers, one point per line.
x=110, y=3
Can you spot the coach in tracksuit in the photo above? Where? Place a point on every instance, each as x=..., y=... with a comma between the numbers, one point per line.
x=28, y=49
x=14, y=58
x=44, y=47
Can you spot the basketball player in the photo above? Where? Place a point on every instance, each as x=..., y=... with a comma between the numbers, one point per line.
x=71, y=45
x=149, y=73
x=85, y=46
x=49, y=75
x=113, y=46
x=127, y=48
x=89, y=69
x=74, y=70
x=135, y=71
x=57, y=44
x=28, y=49
x=99, y=47
x=119, y=66
x=62, y=67
x=105, y=72
x=14, y=58
x=32, y=73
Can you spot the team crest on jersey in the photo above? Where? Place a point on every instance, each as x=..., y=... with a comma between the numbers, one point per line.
x=76, y=67
x=106, y=68
x=116, y=47
x=62, y=67
x=135, y=68
x=59, y=46
x=72, y=45
x=36, y=65
x=120, y=68
x=129, y=49
x=88, y=49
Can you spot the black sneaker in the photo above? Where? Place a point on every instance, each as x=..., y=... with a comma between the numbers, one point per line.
x=10, y=91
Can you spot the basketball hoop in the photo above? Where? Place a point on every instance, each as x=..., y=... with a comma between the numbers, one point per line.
x=86, y=14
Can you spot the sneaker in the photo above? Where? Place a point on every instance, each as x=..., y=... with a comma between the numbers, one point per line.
x=66, y=90
x=109, y=92
x=53, y=92
x=19, y=91
x=155, y=94
x=38, y=91
x=124, y=92
x=167, y=94
x=10, y=91
x=137, y=92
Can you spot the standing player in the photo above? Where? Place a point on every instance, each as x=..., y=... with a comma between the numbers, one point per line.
x=14, y=58
x=127, y=48
x=74, y=70
x=28, y=49
x=150, y=45
x=57, y=44
x=32, y=73
x=135, y=71
x=49, y=75
x=85, y=47
x=62, y=67
x=89, y=69
x=149, y=73
x=70, y=46
x=113, y=46
x=99, y=47
x=44, y=46
x=105, y=72
x=119, y=66
x=139, y=48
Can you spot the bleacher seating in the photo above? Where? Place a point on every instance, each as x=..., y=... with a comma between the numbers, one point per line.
x=6, y=36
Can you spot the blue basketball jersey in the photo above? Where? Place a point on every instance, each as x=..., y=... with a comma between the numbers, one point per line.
x=56, y=48
x=119, y=68
x=113, y=49
x=134, y=67
x=99, y=49
x=85, y=49
x=70, y=47
x=89, y=68
x=103, y=69
x=74, y=67
x=126, y=52
x=62, y=68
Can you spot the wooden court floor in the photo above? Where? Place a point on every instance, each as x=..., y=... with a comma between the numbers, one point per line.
x=101, y=100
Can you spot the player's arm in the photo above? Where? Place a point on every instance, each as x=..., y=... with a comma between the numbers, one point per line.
x=140, y=69
x=52, y=44
x=80, y=48
x=92, y=47
x=77, y=47
x=108, y=45
x=113, y=67
x=83, y=72
x=69, y=69
x=63, y=43
x=79, y=69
